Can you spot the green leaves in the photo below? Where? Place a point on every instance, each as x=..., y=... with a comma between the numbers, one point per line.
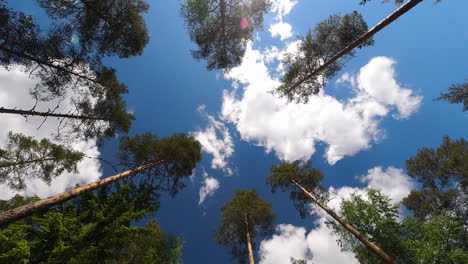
x=303, y=173
x=25, y=158
x=443, y=173
x=440, y=239
x=178, y=154
x=457, y=93
x=319, y=45
x=245, y=212
x=221, y=28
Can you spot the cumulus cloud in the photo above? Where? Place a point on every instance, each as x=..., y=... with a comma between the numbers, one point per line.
x=319, y=244
x=216, y=141
x=280, y=28
x=14, y=92
x=210, y=185
x=292, y=129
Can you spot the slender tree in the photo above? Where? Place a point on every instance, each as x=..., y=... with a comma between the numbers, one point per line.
x=303, y=182
x=443, y=174
x=164, y=162
x=25, y=158
x=309, y=82
x=440, y=239
x=221, y=28
x=318, y=46
x=457, y=93
x=243, y=218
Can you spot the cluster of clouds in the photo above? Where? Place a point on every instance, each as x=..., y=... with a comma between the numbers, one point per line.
x=15, y=84
x=209, y=187
x=319, y=244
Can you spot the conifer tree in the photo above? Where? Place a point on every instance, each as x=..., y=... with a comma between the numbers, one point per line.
x=457, y=93
x=300, y=83
x=221, y=28
x=25, y=158
x=163, y=162
x=443, y=174
x=243, y=218
x=303, y=183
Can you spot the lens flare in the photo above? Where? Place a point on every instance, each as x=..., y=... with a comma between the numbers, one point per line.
x=244, y=23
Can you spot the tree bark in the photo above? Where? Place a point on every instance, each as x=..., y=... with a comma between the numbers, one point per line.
x=392, y=17
x=47, y=114
x=46, y=63
x=29, y=209
x=377, y=250
x=248, y=239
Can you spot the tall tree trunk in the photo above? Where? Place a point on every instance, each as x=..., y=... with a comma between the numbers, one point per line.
x=249, y=243
x=377, y=250
x=10, y=164
x=29, y=209
x=44, y=63
x=47, y=114
x=392, y=17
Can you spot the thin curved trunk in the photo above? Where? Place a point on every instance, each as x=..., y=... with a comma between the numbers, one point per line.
x=24, y=162
x=248, y=239
x=47, y=114
x=46, y=63
x=377, y=250
x=30, y=209
x=392, y=17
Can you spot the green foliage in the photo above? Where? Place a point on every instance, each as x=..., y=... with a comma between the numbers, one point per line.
x=221, y=28
x=458, y=93
x=319, y=45
x=304, y=174
x=179, y=152
x=297, y=261
x=443, y=173
x=94, y=228
x=440, y=239
x=108, y=27
x=245, y=206
x=25, y=158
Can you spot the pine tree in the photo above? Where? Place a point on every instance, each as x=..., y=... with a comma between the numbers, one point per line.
x=243, y=218
x=164, y=162
x=306, y=78
x=25, y=158
x=458, y=93
x=221, y=28
x=443, y=174
x=304, y=185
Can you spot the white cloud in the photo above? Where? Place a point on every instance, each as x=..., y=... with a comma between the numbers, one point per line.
x=14, y=92
x=319, y=245
x=292, y=130
x=393, y=182
x=290, y=241
x=210, y=185
x=281, y=29
x=217, y=141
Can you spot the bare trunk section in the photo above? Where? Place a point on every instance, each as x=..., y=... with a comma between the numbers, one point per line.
x=46, y=63
x=29, y=209
x=47, y=114
x=392, y=17
x=249, y=243
x=10, y=164
x=377, y=250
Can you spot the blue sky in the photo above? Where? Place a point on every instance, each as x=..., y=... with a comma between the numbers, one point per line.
x=358, y=134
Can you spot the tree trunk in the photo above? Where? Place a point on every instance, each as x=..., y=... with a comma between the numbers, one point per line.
x=249, y=243
x=377, y=250
x=45, y=63
x=24, y=162
x=47, y=114
x=392, y=17
x=29, y=209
